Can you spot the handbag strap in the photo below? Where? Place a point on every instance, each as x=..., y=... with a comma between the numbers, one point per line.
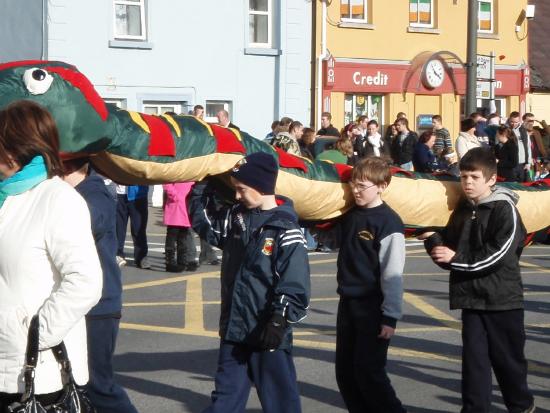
x=31, y=355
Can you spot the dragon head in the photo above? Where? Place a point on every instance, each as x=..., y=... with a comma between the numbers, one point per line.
x=80, y=113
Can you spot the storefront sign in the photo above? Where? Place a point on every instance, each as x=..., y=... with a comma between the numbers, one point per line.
x=361, y=78
x=380, y=79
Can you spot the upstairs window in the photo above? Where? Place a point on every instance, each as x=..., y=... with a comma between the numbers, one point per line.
x=353, y=10
x=152, y=107
x=212, y=107
x=421, y=13
x=485, y=16
x=130, y=19
x=260, y=17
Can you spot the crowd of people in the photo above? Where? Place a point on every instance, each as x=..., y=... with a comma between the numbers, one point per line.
x=521, y=144
x=62, y=262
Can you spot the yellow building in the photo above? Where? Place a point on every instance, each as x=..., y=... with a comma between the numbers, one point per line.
x=381, y=57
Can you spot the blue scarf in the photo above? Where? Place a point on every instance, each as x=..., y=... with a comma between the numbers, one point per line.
x=26, y=178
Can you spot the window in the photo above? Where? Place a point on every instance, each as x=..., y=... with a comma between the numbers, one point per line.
x=353, y=10
x=259, y=23
x=212, y=107
x=130, y=19
x=368, y=105
x=158, y=108
x=485, y=16
x=119, y=103
x=421, y=13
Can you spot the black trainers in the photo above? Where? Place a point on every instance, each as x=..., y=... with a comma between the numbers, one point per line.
x=215, y=262
x=192, y=266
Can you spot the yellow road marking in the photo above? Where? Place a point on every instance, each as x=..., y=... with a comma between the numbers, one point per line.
x=194, y=310
x=531, y=265
x=431, y=310
x=171, y=280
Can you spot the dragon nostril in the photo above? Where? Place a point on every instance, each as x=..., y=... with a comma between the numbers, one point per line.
x=38, y=74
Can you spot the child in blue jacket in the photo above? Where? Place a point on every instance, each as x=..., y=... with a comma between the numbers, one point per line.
x=265, y=287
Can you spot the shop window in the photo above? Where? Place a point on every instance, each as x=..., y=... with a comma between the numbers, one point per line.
x=485, y=107
x=353, y=10
x=485, y=16
x=358, y=105
x=129, y=18
x=158, y=108
x=421, y=13
x=260, y=16
x=212, y=107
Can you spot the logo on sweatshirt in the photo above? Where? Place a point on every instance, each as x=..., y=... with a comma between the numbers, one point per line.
x=268, y=246
x=238, y=165
x=366, y=235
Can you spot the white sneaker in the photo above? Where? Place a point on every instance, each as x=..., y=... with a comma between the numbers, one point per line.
x=120, y=261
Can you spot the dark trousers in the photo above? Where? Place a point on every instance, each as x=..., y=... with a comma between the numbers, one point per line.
x=106, y=395
x=361, y=358
x=137, y=211
x=520, y=173
x=494, y=339
x=272, y=373
x=180, y=240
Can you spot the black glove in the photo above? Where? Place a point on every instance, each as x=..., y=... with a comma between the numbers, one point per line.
x=433, y=241
x=273, y=332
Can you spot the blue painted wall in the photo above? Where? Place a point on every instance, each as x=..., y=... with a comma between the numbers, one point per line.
x=195, y=51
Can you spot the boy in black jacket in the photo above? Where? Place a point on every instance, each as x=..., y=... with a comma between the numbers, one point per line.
x=481, y=245
x=370, y=269
x=265, y=287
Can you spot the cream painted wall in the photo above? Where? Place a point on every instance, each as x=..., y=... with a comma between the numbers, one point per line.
x=539, y=105
x=389, y=38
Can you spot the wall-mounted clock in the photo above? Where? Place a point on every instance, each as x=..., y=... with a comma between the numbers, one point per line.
x=434, y=74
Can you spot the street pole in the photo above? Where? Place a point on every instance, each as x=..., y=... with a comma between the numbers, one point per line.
x=471, y=58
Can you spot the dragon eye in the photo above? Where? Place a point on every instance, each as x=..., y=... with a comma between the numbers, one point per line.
x=37, y=81
x=39, y=74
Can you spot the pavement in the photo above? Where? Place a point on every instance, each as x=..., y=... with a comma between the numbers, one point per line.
x=167, y=347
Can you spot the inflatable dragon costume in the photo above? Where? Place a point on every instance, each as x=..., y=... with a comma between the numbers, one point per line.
x=135, y=148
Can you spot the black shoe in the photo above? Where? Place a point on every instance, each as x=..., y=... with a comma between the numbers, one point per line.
x=215, y=262
x=172, y=267
x=192, y=266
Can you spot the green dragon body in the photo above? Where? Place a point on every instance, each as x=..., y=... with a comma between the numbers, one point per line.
x=134, y=148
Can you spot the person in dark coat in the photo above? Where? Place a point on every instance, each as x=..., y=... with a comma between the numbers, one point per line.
x=481, y=246
x=265, y=286
x=102, y=322
x=374, y=144
x=506, y=152
x=423, y=158
x=403, y=146
x=326, y=126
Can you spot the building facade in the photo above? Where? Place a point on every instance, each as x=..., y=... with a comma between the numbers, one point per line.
x=378, y=58
x=250, y=57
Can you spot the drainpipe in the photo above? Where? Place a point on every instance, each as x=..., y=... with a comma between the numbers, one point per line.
x=44, y=53
x=321, y=57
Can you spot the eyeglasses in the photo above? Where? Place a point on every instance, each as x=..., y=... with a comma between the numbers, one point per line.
x=359, y=188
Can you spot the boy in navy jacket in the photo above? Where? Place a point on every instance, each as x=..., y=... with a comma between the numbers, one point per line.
x=481, y=245
x=370, y=269
x=264, y=286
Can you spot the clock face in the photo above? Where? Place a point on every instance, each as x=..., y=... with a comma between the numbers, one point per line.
x=434, y=74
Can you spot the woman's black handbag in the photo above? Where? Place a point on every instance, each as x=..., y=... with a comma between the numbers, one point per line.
x=73, y=398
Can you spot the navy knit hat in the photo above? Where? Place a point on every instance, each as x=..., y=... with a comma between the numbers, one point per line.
x=259, y=171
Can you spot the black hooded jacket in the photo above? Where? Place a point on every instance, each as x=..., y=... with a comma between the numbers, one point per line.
x=488, y=241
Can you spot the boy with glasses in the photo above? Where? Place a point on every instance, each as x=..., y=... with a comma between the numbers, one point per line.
x=370, y=269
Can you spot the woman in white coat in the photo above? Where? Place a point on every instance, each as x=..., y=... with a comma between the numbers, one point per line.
x=48, y=260
x=466, y=139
